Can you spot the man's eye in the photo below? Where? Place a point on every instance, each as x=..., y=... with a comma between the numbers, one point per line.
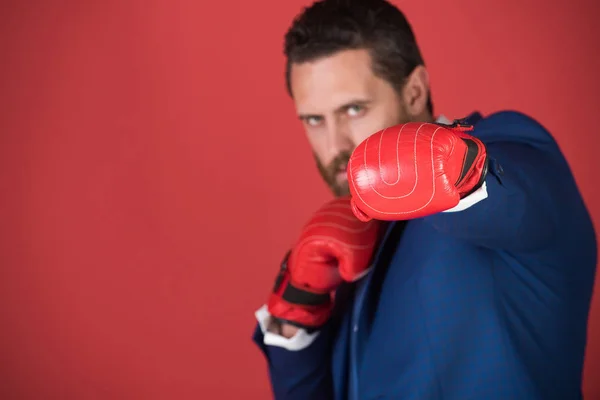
x=354, y=111
x=314, y=121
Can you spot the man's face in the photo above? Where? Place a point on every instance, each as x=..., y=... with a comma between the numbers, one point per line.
x=341, y=102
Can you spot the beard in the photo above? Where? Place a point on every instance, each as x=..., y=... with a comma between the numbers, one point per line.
x=330, y=172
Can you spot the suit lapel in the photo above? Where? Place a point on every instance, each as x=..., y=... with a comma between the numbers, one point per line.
x=367, y=294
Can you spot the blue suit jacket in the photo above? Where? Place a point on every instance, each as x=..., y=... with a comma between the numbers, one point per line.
x=489, y=303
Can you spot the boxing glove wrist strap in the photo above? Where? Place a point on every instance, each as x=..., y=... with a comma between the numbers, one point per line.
x=472, y=176
x=293, y=294
x=302, y=304
x=465, y=180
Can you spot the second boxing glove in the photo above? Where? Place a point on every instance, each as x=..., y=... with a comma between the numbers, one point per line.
x=333, y=246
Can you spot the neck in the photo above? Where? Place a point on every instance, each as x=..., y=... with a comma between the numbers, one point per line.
x=425, y=116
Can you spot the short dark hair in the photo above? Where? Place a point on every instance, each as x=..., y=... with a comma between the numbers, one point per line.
x=329, y=26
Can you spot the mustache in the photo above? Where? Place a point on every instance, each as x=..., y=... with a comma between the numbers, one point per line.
x=329, y=172
x=339, y=163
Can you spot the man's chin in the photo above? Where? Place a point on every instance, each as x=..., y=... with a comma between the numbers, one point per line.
x=340, y=190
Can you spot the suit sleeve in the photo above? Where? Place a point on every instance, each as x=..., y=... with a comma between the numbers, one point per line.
x=299, y=367
x=518, y=207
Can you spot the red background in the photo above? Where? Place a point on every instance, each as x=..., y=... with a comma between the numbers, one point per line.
x=152, y=174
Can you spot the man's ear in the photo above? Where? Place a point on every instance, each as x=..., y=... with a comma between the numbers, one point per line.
x=416, y=93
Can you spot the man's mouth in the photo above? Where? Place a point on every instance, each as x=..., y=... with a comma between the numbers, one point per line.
x=341, y=174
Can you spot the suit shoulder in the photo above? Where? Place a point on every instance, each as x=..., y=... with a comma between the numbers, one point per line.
x=513, y=118
x=513, y=126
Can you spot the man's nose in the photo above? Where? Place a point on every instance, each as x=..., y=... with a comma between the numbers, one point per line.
x=339, y=138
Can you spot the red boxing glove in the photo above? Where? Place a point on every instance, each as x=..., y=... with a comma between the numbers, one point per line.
x=333, y=245
x=415, y=169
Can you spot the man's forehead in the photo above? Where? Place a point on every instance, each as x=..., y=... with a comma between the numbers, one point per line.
x=333, y=81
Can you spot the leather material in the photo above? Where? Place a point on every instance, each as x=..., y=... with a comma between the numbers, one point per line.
x=415, y=169
x=333, y=246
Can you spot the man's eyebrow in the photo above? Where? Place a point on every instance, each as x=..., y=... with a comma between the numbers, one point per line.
x=356, y=102
x=307, y=116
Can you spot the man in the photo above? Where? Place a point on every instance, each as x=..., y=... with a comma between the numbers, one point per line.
x=472, y=278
